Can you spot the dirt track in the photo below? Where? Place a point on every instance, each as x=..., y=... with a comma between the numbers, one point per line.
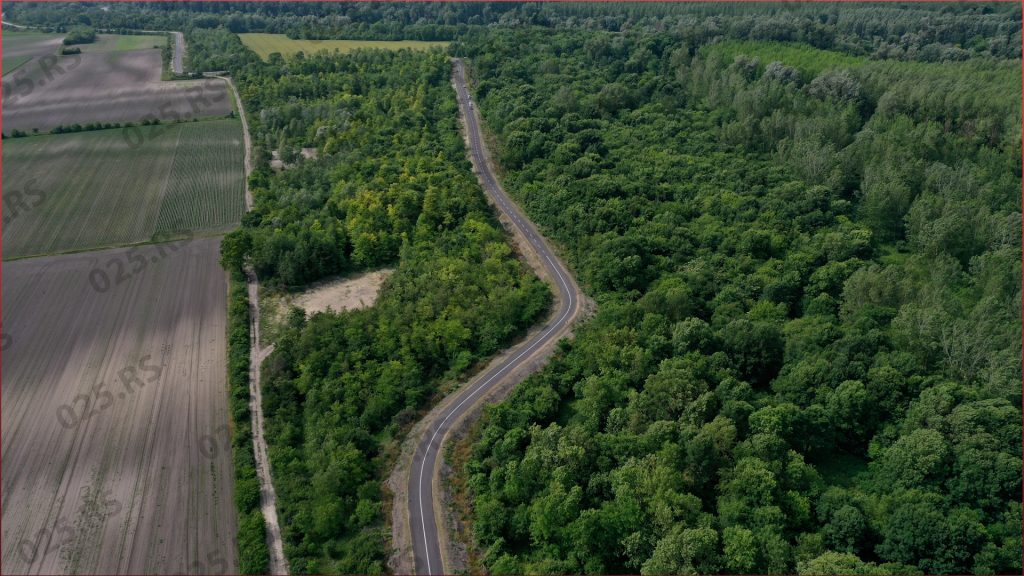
x=278, y=564
x=144, y=483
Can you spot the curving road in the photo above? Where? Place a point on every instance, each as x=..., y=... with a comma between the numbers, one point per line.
x=424, y=508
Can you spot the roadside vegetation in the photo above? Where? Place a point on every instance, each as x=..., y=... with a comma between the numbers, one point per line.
x=80, y=35
x=806, y=355
x=390, y=186
x=252, y=543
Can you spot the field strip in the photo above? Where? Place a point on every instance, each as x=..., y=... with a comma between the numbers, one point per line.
x=107, y=87
x=105, y=188
x=115, y=445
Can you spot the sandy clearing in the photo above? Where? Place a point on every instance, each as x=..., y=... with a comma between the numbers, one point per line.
x=179, y=53
x=277, y=164
x=114, y=87
x=340, y=294
x=335, y=294
x=144, y=484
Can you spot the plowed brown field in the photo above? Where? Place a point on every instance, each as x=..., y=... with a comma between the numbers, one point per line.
x=111, y=87
x=116, y=453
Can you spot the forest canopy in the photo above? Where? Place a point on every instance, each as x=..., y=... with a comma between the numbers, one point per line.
x=390, y=186
x=807, y=351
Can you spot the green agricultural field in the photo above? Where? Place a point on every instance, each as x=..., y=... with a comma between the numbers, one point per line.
x=124, y=43
x=20, y=47
x=105, y=188
x=267, y=44
x=990, y=88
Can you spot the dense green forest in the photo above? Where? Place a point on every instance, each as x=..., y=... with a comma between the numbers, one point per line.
x=801, y=224
x=909, y=31
x=391, y=187
x=807, y=351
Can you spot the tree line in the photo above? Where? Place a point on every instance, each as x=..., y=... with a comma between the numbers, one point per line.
x=918, y=31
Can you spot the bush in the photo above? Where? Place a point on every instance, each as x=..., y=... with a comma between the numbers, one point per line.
x=80, y=35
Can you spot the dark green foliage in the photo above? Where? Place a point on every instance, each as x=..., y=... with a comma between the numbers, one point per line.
x=806, y=354
x=390, y=186
x=928, y=32
x=252, y=543
x=80, y=35
x=803, y=232
x=253, y=555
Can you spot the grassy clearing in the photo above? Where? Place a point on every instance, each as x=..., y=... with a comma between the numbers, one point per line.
x=811, y=61
x=124, y=43
x=88, y=190
x=266, y=44
x=975, y=88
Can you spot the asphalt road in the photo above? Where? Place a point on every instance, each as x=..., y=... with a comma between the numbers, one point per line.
x=426, y=460
x=179, y=52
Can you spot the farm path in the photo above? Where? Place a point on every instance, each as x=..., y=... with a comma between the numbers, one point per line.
x=420, y=518
x=268, y=497
x=245, y=135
